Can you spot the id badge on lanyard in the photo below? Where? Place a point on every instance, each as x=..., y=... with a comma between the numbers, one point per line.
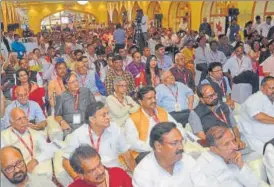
x=175, y=95
x=177, y=107
x=76, y=118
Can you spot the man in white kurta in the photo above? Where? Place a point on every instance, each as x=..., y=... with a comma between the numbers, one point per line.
x=256, y=118
x=166, y=165
x=36, y=151
x=200, y=58
x=223, y=165
x=237, y=65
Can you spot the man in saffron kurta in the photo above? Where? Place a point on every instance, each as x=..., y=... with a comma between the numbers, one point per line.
x=140, y=123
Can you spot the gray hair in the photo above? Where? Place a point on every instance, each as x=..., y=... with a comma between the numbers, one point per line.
x=81, y=153
x=117, y=80
x=214, y=134
x=162, y=76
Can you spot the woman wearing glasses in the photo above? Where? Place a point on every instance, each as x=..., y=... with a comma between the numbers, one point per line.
x=120, y=105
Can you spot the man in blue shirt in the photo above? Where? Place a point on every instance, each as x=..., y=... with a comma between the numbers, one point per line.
x=119, y=36
x=34, y=112
x=164, y=61
x=18, y=47
x=175, y=97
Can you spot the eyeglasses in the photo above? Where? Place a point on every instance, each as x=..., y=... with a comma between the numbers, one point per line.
x=212, y=96
x=176, y=143
x=18, y=164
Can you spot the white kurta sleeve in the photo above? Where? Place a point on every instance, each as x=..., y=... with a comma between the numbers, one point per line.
x=72, y=142
x=269, y=163
x=47, y=149
x=223, y=58
x=142, y=178
x=227, y=65
x=247, y=178
x=253, y=108
x=123, y=145
x=132, y=137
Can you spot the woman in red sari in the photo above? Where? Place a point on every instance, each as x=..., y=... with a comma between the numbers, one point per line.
x=151, y=75
x=35, y=93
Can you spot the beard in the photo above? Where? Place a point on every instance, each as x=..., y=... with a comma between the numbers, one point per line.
x=214, y=102
x=17, y=177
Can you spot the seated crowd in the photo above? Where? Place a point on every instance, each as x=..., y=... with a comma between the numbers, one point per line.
x=93, y=114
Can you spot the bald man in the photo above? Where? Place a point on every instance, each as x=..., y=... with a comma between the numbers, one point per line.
x=14, y=171
x=35, y=149
x=33, y=111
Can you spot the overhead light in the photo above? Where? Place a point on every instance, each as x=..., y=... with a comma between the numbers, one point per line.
x=82, y=2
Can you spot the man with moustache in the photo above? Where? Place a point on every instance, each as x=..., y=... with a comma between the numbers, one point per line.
x=102, y=135
x=212, y=112
x=219, y=83
x=140, y=123
x=257, y=116
x=15, y=173
x=238, y=69
x=35, y=149
x=92, y=173
x=166, y=165
x=223, y=165
x=175, y=97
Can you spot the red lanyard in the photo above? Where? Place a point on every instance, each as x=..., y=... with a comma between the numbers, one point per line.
x=30, y=150
x=60, y=85
x=83, y=81
x=221, y=118
x=184, y=75
x=223, y=87
x=155, y=118
x=76, y=102
x=175, y=95
x=92, y=142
